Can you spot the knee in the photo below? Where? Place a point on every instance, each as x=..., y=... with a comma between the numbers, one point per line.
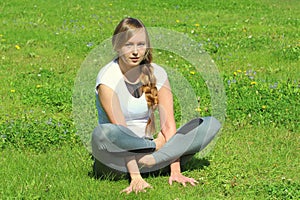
x=105, y=132
x=212, y=125
x=100, y=133
x=96, y=135
x=212, y=122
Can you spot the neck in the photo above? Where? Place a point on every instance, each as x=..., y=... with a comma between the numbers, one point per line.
x=131, y=74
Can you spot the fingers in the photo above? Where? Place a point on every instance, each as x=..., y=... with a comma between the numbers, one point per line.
x=170, y=181
x=182, y=180
x=192, y=181
x=127, y=190
x=137, y=186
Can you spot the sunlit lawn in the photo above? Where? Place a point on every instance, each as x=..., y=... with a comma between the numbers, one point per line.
x=254, y=44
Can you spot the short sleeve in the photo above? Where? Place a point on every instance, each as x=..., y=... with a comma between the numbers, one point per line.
x=105, y=76
x=160, y=74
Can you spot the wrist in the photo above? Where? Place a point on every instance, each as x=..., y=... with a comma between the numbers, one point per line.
x=135, y=176
x=175, y=167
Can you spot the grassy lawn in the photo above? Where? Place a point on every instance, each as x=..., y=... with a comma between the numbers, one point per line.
x=255, y=45
x=247, y=163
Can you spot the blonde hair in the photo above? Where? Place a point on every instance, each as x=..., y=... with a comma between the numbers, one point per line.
x=123, y=32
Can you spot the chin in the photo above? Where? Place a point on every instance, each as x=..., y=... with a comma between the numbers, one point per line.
x=132, y=64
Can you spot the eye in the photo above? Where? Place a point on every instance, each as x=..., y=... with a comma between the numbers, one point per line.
x=142, y=44
x=128, y=45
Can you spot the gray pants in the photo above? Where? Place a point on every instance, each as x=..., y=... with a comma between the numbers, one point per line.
x=111, y=143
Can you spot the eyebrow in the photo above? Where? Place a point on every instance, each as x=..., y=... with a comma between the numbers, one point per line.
x=143, y=42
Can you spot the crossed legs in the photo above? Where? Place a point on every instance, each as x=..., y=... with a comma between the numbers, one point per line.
x=111, y=143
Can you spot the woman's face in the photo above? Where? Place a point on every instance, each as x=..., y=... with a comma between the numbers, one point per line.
x=133, y=52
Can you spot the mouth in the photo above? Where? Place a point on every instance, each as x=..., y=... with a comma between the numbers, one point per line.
x=134, y=59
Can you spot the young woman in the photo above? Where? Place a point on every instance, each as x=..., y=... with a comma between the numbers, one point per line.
x=129, y=89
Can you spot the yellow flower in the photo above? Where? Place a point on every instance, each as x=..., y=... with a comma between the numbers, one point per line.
x=264, y=107
x=197, y=25
x=198, y=109
x=253, y=83
x=239, y=71
x=1, y=35
x=192, y=72
x=177, y=21
x=12, y=91
x=38, y=86
x=17, y=47
x=235, y=73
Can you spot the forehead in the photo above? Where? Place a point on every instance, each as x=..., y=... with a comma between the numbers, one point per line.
x=138, y=36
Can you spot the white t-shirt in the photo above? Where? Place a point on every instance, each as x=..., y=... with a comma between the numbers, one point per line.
x=135, y=110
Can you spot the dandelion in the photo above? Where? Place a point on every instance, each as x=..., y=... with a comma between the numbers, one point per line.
x=177, y=21
x=12, y=91
x=253, y=83
x=197, y=25
x=198, y=109
x=192, y=72
x=263, y=107
x=38, y=86
x=234, y=73
x=17, y=47
x=239, y=71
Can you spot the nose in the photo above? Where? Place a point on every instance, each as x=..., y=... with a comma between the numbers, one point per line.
x=135, y=50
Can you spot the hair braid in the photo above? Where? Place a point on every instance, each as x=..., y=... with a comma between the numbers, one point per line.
x=149, y=88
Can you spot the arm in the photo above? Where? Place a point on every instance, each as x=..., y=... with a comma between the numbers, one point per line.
x=168, y=129
x=167, y=120
x=111, y=105
x=112, y=108
x=166, y=111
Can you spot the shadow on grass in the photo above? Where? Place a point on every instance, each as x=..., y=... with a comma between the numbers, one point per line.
x=100, y=171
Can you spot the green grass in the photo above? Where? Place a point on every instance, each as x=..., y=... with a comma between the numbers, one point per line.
x=254, y=44
x=244, y=164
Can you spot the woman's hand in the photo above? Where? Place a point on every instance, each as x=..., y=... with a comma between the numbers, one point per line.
x=178, y=177
x=137, y=184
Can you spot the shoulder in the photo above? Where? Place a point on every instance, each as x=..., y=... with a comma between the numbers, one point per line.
x=160, y=74
x=109, y=74
x=158, y=70
x=110, y=67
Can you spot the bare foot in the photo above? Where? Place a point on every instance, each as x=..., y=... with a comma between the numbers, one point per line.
x=159, y=141
x=147, y=161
